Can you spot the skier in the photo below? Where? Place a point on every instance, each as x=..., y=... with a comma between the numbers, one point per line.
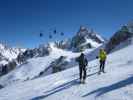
x=102, y=56
x=82, y=60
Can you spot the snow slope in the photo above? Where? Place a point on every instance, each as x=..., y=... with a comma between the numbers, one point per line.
x=34, y=66
x=115, y=84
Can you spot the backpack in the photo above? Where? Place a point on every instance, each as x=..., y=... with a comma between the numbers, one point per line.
x=82, y=61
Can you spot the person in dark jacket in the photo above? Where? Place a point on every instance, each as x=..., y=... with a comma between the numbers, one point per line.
x=82, y=60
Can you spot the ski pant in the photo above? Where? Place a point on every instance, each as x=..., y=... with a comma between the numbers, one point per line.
x=82, y=72
x=102, y=65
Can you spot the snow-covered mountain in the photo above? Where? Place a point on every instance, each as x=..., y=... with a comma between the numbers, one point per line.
x=85, y=38
x=122, y=37
x=36, y=66
x=8, y=53
x=88, y=33
x=8, y=56
x=42, y=51
x=130, y=26
x=43, y=60
x=115, y=84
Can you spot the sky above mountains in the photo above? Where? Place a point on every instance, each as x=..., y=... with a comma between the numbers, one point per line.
x=21, y=21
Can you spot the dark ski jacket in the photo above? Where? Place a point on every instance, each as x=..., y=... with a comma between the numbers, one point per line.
x=82, y=61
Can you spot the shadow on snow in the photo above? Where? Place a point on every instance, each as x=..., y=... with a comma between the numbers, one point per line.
x=60, y=88
x=112, y=87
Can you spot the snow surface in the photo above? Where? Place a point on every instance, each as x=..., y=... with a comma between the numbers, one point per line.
x=123, y=44
x=115, y=84
x=3, y=62
x=93, y=43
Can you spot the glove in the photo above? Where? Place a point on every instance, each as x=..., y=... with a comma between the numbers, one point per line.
x=97, y=57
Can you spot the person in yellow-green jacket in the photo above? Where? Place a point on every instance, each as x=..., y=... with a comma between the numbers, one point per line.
x=102, y=56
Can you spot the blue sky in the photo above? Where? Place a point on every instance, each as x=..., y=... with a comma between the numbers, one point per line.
x=21, y=21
